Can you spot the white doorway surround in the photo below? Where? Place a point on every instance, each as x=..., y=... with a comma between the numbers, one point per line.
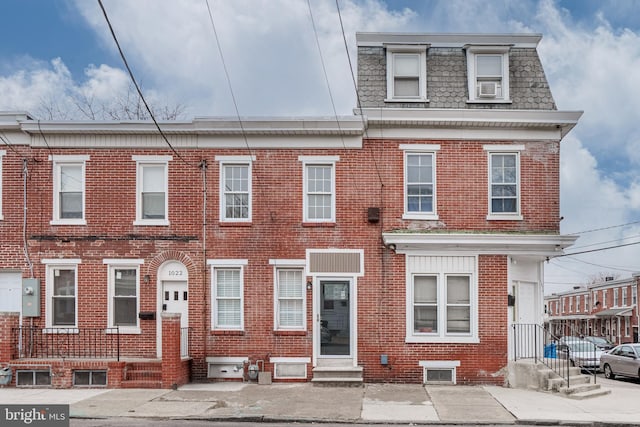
x=172, y=296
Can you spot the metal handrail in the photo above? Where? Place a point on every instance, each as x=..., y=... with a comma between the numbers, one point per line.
x=532, y=341
x=82, y=343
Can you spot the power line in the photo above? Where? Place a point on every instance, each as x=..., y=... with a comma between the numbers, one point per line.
x=226, y=73
x=135, y=83
x=606, y=228
x=633, y=236
x=598, y=250
x=603, y=266
x=5, y=140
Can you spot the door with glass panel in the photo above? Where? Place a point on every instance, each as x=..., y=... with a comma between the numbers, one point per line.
x=335, y=318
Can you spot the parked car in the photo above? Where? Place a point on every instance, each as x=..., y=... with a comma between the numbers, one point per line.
x=581, y=353
x=623, y=360
x=601, y=342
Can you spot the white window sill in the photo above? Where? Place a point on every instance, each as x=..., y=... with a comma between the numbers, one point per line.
x=68, y=222
x=504, y=217
x=430, y=217
x=406, y=100
x=488, y=101
x=416, y=339
x=61, y=330
x=235, y=220
x=126, y=330
x=152, y=222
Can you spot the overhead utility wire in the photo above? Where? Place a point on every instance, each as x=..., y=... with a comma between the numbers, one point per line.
x=596, y=250
x=603, y=266
x=226, y=73
x=324, y=70
x=135, y=83
x=633, y=236
x=606, y=228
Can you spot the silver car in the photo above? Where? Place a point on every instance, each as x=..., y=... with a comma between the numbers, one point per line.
x=623, y=360
x=583, y=354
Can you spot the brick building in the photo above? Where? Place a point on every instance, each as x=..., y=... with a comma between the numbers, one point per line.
x=398, y=244
x=606, y=309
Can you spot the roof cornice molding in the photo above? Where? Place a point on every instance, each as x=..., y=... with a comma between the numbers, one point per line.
x=375, y=39
x=350, y=125
x=471, y=118
x=545, y=245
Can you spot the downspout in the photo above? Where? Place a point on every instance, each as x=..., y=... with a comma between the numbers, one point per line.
x=203, y=167
x=25, y=173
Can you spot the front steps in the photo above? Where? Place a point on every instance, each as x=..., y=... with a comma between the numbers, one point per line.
x=142, y=375
x=350, y=376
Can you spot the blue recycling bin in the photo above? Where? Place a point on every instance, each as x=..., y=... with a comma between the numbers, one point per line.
x=550, y=351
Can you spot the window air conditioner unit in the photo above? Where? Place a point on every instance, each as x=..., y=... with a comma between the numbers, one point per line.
x=488, y=89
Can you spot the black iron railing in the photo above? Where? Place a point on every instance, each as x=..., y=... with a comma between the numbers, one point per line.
x=84, y=343
x=532, y=341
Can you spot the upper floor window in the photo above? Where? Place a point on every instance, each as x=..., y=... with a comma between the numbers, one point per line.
x=504, y=182
x=406, y=74
x=152, y=190
x=290, y=312
x=488, y=71
x=634, y=295
x=604, y=298
x=615, y=297
x=124, y=288
x=577, y=303
x=227, y=294
x=235, y=188
x=319, y=188
x=420, y=181
x=570, y=304
x=624, y=297
x=69, y=189
x=61, y=306
x=2, y=154
x=586, y=303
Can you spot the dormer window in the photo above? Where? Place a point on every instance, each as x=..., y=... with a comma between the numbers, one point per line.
x=406, y=73
x=488, y=71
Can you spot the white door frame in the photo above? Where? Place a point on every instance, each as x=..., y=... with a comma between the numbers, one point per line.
x=169, y=271
x=353, y=318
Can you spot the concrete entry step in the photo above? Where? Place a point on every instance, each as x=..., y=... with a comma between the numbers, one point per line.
x=337, y=375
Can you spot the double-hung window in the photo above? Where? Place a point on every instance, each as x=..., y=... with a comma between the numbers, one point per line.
x=319, y=178
x=289, y=308
x=488, y=72
x=2, y=154
x=68, y=189
x=152, y=190
x=420, y=181
x=624, y=297
x=441, y=305
x=61, y=307
x=235, y=188
x=504, y=181
x=227, y=294
x=615, y=297
x=406, y=73
x=124, y=291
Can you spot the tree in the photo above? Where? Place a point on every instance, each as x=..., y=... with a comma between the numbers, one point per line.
x=82, y=105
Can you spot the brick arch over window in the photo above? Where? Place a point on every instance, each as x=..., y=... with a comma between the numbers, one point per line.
x=152, y=268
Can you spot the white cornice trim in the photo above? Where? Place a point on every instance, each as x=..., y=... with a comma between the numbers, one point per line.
x=375, y=39
x=510, y=244
x=437, y=118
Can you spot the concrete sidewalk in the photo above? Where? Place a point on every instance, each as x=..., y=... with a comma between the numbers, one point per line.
x=389, y=403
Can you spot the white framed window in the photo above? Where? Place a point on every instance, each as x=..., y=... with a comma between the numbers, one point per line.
x=227, y=294
x=577, y=303
x=442, y=305
x=634, y=295
x=152, y=190
x=124, y=294
x=570, y=304
x=289, y=296
x=2, y=154
x=235, y=188
x=488, y=72
x=624, y=297
x=420, y=181
x=504, y=182
x=406, y=73
x=615, y=297
x=586, y=303
x=68, y=189
x=290, y=367
x=61, y=306
x=604, y=298
x=319, y=180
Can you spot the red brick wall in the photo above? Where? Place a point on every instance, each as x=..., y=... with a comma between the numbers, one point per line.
x=368, y=177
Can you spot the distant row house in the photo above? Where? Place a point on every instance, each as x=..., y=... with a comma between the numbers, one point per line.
x=396, y=244
x=606, y=309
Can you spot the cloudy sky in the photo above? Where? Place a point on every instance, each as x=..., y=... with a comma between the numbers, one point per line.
x=54, y=49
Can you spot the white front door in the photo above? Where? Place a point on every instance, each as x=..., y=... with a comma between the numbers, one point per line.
x=527, y=306
x=11, y=292
x=175, y=299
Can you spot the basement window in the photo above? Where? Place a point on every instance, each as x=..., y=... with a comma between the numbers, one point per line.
x=33, y=378
x=290, y=367
x=89, y=378
x=439, y=371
